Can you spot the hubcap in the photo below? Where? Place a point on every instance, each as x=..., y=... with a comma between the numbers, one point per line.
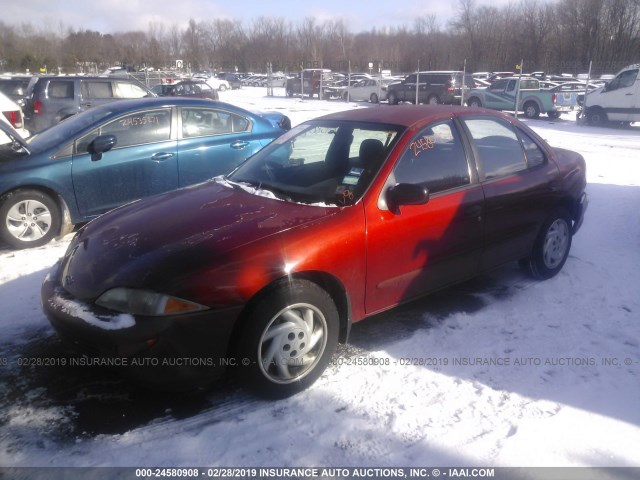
x=29, y=220
x=531, y=112
x=292, y=343
x=556, y=243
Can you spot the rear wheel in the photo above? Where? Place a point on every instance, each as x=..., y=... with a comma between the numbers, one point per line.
x=551, y=247
x=287, y=339
x=531, y=110
x=373, y=98
x=29, y=218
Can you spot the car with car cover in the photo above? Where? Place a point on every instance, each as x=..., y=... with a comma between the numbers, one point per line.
x=342, y=217
x=117, y=153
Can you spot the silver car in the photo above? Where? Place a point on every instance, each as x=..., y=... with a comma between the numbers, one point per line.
x=367, y=89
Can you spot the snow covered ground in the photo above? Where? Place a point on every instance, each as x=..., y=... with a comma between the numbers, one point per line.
x=510, y=371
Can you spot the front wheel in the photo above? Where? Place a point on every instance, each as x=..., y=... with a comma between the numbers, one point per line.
x=551, y=248
x=222, y=87
x=596, y=116
x=374, y=98
x=393, y=98
x=474, y=102
x=29, y=218
x=287, y=339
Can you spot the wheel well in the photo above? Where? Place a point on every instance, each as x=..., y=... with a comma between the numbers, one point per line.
x=66, y=226
x=329, y=283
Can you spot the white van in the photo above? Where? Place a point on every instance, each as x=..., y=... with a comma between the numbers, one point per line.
x=618, y=100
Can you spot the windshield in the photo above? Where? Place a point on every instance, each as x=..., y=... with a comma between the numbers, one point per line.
x=328, y=162
x=67, y=129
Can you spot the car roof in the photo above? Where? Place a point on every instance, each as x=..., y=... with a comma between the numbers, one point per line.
x=125, y=105
x=403, y=115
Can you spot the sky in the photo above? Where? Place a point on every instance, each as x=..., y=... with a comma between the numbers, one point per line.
x=126, y=15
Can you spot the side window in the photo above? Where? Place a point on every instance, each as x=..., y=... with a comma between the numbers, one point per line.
x=499, y=85
x=511, y=86
x=497, y=145
x=128, y=90
x=435, y=158
x=133, y=129
x=199, y=122
x=535, y=155
x=624, y=80
x=96, y=89
x=60, y=89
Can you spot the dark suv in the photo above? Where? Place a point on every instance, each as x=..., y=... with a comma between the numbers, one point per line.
x=51, y=99
x=434, y=87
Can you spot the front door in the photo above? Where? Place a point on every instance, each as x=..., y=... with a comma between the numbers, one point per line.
x=142, y=163
x=419, y=248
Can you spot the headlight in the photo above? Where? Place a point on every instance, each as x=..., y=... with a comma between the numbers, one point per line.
x=144, y=302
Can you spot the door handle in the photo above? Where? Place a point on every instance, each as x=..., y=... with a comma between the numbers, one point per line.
x=159, y=157
x=239, y=145
x=628, y=94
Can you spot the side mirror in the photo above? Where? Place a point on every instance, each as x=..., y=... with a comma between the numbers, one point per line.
x=101, y=144
x=406, y=194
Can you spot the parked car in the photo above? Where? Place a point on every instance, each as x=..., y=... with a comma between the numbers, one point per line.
x=567, y=95
x=12, y=112
x=341, y=218
x=15, y=87
x=232, y=79
x=51, y=99
x=367, y=89
x=617, y=100
x=116, y=153
x=312, y=80
x=7, y=137
x=186, y=88
x=502, y=94
x=434, y=87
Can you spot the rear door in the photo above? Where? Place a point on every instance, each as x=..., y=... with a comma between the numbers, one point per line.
x=520, y=186
x=213, y=141
x=143, y=162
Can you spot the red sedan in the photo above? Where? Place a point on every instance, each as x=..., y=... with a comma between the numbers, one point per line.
x=340, y=218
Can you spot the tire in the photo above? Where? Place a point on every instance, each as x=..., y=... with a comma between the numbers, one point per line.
x=287, y=339
x=596, y=116
x=222, y=88
x=393, y=98
x=553, y=115
x=531, y=110
x=551, y=248
x=433, y=100
x=29, y=218
x=373, y=98
x=474, y=102
x=345, y=97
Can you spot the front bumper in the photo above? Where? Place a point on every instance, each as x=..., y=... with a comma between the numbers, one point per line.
x=173, y=352
x=581, y=208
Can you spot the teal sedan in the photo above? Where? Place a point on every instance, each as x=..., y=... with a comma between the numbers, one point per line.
x=117, y=153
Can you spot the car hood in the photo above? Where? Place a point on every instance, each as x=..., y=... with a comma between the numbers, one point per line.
x=154, y=242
